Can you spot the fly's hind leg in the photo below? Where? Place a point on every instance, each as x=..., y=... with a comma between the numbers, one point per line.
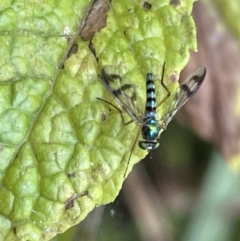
x=165, y=88
x=120, y=111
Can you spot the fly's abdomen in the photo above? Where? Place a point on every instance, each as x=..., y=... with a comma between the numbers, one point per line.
x=150, y=110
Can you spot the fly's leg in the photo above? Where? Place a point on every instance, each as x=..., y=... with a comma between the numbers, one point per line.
x=165, y=87
x=124, y=122
x=134, y=144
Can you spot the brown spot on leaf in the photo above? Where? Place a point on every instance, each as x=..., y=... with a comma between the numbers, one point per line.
x=69, y=39
x=92, y=48
x=73, y=50
x=104, y=116
x=70, y=202
x=71, y=174
x=95, y=20
x=175, y=2
x=147, y=5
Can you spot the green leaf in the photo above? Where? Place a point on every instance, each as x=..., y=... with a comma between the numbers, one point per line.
x=62, y=151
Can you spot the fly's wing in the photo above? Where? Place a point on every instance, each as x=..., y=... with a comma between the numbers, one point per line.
x=124, y=94
x=187, y=89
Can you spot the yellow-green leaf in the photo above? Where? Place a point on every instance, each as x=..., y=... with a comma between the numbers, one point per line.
x=62, y=151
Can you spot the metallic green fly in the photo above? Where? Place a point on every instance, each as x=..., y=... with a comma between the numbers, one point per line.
x=151, y=127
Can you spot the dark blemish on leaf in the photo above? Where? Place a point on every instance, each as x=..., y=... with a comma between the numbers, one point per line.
x=73, y=50
x=104, y=116
x=84, y=194
x=147, y=5
x=68, y=38
x=61, y=66
x=71, y=174
x=70, y=202
x=175, y=2
x=92, y=49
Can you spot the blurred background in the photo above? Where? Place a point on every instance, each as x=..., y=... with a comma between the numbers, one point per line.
x=189, y=188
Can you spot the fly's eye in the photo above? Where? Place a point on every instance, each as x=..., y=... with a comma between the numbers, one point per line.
x=147, y=145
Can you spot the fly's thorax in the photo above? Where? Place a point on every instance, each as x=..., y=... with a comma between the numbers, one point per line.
x=150, y=133
x=150, y=129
